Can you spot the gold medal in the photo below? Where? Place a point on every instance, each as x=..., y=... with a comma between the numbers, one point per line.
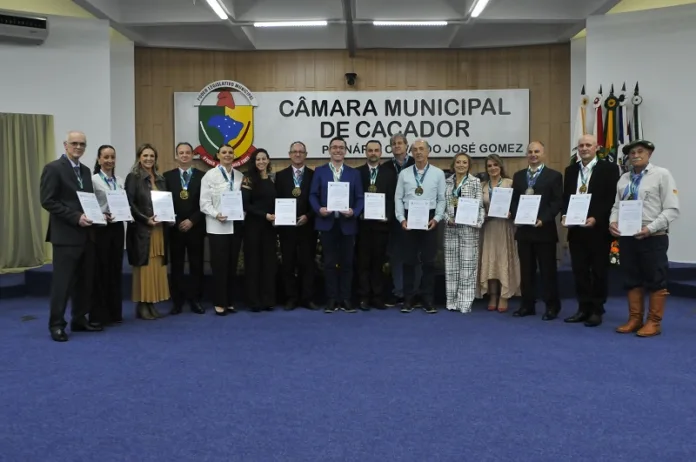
x=419, y=191
x=455, y=201
x=372, y=188
x=184, y=194
x=296, y=192
x=583, y=189
x=529, y=191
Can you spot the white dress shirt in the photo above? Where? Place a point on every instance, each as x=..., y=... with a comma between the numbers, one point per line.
x=213, y=185
x=585, y=172
x=101, y=187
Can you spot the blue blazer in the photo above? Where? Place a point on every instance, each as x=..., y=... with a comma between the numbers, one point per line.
x=318, y=195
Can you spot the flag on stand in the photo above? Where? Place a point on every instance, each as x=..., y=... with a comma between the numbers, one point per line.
x=580, y=127
x=598, y=127
x=623, y=137
x=610, y=132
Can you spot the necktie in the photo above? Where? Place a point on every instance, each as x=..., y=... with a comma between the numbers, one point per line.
x=297, y=174
x=77, y=172
x=186, y=176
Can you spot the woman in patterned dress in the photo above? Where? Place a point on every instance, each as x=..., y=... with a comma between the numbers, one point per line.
x=500, y=266
x=462, y=241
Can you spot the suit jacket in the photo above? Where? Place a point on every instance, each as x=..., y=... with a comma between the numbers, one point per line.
x=190, y=208
x=318, y=196
x=386, y=183
x=284, y=186
x=58, y=195
x=389, y=165
x=602, y=186
x=549, y=185
x=138, y=189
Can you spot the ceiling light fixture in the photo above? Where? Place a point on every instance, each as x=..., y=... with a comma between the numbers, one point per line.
x=478, y=8
x=291, y=24
x=409, y=23
x=217, y=8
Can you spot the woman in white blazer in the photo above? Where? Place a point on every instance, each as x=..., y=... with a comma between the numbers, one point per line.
x=224, y=235
x=107, y=307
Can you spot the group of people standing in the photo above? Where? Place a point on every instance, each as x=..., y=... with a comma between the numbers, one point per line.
x=492, y=257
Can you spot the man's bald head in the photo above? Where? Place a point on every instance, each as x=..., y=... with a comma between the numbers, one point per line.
x=587, y=148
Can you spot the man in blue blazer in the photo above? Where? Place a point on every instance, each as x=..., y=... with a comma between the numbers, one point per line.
x=337, y=229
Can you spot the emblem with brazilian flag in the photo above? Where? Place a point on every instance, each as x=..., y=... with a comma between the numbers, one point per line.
x=225, y=117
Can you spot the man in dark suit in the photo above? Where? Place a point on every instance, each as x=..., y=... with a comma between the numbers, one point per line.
x=298, y=245
x=589, y=244
x=337, y=228
x=71, y=238
x=188, y=236
x=536, y=244
x=373, y=235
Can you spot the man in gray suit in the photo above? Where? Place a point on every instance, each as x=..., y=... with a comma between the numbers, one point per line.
x=72, y=239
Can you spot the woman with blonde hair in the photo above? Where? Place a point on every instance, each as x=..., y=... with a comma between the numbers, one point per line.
x=461, y=241
x=500, y=266
x=146, y=240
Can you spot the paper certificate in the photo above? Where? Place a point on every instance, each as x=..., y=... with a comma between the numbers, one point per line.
x=630, y=217
x=119, y=208
x=500, y=203
x=231, y=205
x=163, y=206
x=91, y=208
x=375, y=206
x=578, y=207
x=418, y=214
x=338, y=199
x=285, y=212
x=527, y=210
x=467, y=211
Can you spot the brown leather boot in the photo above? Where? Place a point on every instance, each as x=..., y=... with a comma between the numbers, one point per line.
x=655, y=313
x=636, y=298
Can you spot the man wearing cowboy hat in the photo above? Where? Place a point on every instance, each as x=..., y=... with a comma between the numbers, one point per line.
x=644, y=254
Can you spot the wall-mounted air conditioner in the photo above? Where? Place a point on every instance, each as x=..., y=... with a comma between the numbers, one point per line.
x=22, y=29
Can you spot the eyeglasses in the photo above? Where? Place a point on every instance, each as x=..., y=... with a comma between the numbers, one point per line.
x=298, y=152
x=76, y=144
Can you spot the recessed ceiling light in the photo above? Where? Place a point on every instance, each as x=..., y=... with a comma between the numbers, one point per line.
x=291, y=24
x=478, y=8
x=217, y=8
x=409, y=23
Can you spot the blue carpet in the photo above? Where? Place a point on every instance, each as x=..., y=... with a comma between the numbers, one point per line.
x=379, y=386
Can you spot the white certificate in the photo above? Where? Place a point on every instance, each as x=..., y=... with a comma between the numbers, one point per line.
x=375, y=206
x=630, y=217
x=119, y=208
x=163, y=206
x=91, y=208
x=418, y=214
x=231, y=205
x=467, y=211
x=500, y=203
x=528, y=210
x=578, y=207
x=286, y=212
x=338, y=199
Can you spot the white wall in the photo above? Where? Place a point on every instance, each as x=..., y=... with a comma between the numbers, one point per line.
x=578, y=65
x=657, y=49
x=81, y=77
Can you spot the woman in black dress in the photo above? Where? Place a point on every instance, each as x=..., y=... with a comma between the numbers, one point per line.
x=260, y=255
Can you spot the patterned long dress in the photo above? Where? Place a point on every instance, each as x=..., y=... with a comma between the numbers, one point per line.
x=499, y=260
x=462, y=247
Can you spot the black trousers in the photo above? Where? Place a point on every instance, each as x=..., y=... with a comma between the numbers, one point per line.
x=298, y=249
x=107, y=297
x=589, y=258
x=644, y=262
x=420, y=248
x=224, y=258
x=372, y=255
x=542, y=254
x=73, y=279
x=260, y=264
x=339, y=251
x=181, y=245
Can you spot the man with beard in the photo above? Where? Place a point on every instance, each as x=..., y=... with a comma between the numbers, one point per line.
x=373, y=235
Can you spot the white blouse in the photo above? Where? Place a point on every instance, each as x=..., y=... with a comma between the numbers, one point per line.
x=213, y=185
x=101, y=187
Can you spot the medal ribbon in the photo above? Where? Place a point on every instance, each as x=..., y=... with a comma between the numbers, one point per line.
x=373, y=175
x=490, y=187
x=583, y=180
x=419, y=181
x=110, y=182
x=458, y=191
x=398, y=166
x=533, y=177
x=297, y=178
x=78, y=175
x=184, y=184
x=230, y=181
x=631, y=191
x=336, y=174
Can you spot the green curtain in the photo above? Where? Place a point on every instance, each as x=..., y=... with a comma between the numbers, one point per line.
x=27, y=143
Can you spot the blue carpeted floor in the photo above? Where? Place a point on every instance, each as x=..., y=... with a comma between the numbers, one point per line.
x=378, y=386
